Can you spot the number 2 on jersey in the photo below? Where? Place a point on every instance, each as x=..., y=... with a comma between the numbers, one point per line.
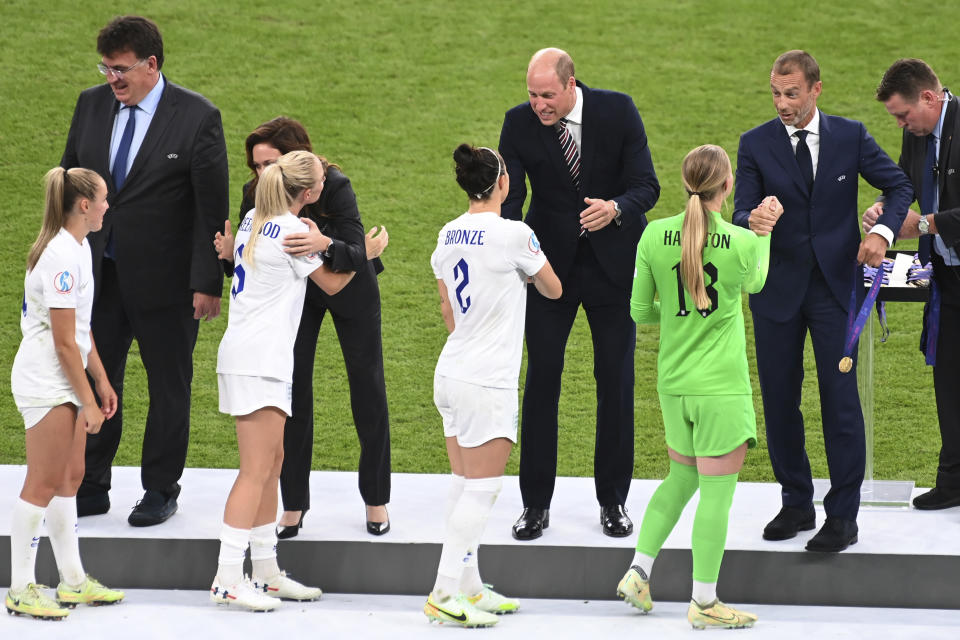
x=461, y=275
x=709, y=269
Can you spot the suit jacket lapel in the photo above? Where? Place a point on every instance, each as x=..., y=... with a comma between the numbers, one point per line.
x=782, y=150
x=551, y=146
x=102, y=131
x=946, y=139
x=588, y=137
x=166, y=110
x=827, y=152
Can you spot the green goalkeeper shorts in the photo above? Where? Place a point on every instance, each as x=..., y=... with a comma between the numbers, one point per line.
x=704, y=426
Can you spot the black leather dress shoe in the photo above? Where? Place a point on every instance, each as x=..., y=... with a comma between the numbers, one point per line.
x=835, y=535
x=155, y=507
x=788, y=522
x=615, y=521
x=531, y=523
x=937, y=498
x=93, y=504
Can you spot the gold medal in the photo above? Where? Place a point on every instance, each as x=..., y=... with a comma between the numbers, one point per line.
x=846, y=363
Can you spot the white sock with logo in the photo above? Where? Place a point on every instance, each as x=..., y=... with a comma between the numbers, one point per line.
x=25, y=524
x=464, y=529
x=233, y=550
x=263, y=552
x=62, y=528
x=704, y=593
x=644, y=563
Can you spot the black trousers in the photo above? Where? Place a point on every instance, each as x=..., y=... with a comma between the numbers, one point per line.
x=166, y=338
x=946, y=383
x=779, y=348
x=361, y=343
x=614, y=335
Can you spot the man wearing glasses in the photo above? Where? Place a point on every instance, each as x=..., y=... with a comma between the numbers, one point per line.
x=161, y=150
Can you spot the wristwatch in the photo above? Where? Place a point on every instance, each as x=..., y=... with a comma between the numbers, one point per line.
x=618, y=217
x=923, y=225
x=328, y=252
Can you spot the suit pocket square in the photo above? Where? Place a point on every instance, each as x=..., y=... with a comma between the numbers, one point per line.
x=172, y=156
x=841, y=178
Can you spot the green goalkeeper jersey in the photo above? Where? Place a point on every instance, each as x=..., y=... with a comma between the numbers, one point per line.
x=702, y=352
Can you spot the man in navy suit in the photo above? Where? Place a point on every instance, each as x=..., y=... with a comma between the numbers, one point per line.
x=161, y=151
x=811, y=162
x=592, y=181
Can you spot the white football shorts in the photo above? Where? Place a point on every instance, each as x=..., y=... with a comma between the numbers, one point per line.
x=242, y=395
x=474, y=414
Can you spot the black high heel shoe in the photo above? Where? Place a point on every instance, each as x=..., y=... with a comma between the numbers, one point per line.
x=378, y=528
x=287, y=531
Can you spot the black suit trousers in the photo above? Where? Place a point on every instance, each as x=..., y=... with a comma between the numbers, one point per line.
x=946, y=378
x=361, y=343
x=166, y=338
x=779, y=348
x=614, y=336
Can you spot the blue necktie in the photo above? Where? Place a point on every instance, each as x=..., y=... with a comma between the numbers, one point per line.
x=119, y=171
x=928, y=195
x=804, y=159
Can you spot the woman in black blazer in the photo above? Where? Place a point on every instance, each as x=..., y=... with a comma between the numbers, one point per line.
x=356, y=317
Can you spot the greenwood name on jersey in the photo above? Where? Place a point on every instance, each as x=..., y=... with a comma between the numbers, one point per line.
x=266, y=300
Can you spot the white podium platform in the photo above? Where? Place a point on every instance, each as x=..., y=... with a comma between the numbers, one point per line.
x=905, y=558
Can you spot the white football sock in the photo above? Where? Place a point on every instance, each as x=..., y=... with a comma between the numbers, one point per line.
x=263, y=552
x=464, y=529
x=233, y=549
x=644, y=562
x=704, y=593
x=62, y=529
x=456, y=490
x=25, y=524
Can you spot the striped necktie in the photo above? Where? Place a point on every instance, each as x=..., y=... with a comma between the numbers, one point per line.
x=571, y=154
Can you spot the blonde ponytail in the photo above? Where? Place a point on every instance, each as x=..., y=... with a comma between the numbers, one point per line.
x=62, y=189
x=278, y=186
x=705, y=171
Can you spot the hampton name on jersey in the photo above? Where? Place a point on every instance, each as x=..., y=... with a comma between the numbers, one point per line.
x=266, y=300
x=484, y=261
x=61, y=279
x=702, y=352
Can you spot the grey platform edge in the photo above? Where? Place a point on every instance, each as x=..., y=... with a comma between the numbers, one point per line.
x=579, y=573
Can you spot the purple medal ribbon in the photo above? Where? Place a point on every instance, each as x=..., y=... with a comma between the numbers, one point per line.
x=857, y=320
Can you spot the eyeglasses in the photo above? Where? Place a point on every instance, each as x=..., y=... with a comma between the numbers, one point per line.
x=117, y=72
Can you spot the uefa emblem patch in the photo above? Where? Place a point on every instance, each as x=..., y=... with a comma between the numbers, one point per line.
x=533, y=243
x=63, y=282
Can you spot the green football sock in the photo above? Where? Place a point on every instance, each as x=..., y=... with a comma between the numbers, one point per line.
x=665, y=506
x=710, y=525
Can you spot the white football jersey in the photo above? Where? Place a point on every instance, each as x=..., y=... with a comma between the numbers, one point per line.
x=266, y=300
x=61, y=279
x=484, y=261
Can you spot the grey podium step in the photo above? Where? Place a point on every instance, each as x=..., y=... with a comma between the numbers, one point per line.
x=905, y=558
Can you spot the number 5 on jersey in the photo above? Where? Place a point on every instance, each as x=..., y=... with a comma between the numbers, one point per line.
x=239, y=272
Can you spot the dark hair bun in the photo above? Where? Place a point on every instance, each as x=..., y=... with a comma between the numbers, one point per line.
x=477, y=170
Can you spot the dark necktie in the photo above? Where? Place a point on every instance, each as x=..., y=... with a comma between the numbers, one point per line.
x=571, y=154
x=119, y=171
x=804, y=159
x=928, y=195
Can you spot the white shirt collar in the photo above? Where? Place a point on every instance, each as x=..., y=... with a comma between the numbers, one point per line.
x=813, y=126
x=576, y=114
x=152, y=99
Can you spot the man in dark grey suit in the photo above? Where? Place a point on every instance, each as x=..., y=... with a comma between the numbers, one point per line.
x=161, y=150
x=929, y=115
